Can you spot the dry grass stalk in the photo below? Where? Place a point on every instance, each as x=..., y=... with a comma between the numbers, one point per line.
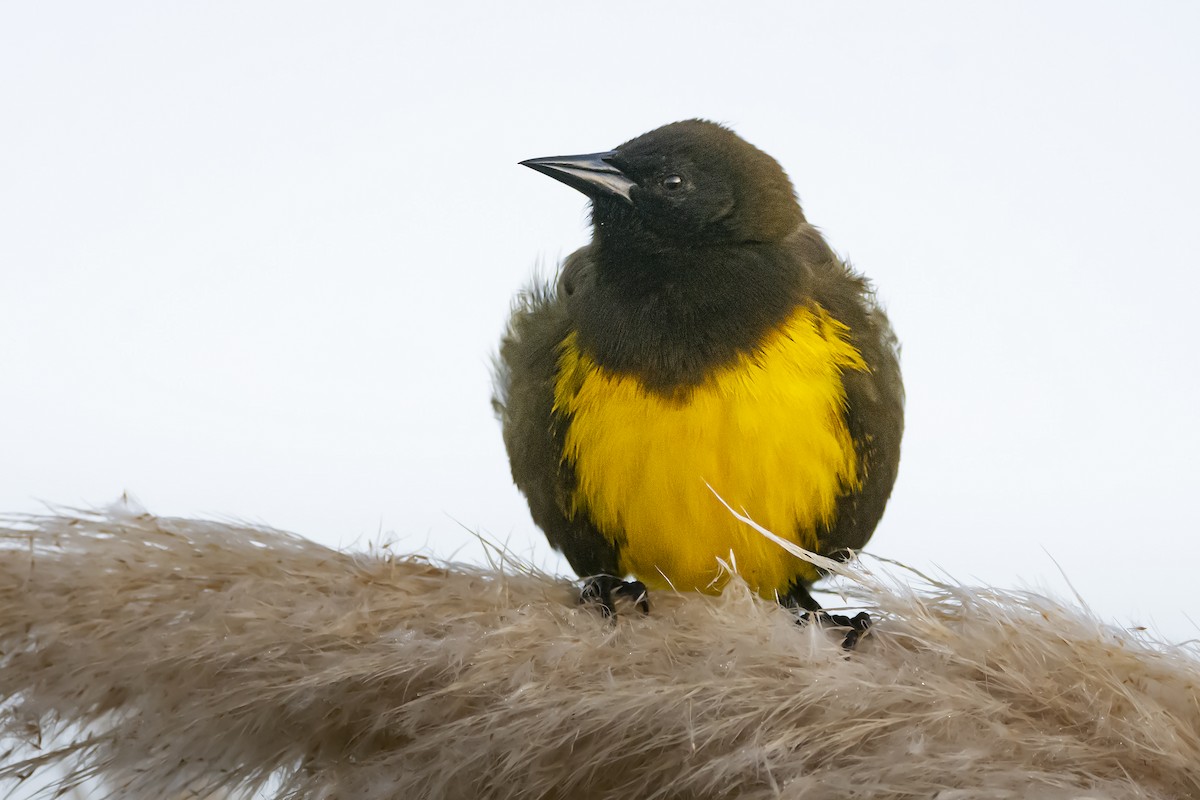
x=204, y=656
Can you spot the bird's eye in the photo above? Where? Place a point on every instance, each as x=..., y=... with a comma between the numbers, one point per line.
x=672, y=182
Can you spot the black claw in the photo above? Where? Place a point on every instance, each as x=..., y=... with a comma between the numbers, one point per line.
x=603, y=589
x=861, y=621
x=856, y=625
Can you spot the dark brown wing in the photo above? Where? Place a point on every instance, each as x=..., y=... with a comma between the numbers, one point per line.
x=874, y=399
x=533, y=432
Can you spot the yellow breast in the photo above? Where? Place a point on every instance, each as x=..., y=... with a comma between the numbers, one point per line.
x=767, y=433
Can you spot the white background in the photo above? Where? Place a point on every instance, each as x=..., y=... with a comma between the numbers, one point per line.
x=254, y=257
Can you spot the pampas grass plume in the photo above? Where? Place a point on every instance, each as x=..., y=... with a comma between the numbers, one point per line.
x=170, y=657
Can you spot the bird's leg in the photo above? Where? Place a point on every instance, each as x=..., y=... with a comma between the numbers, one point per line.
x=799, y=598
x=604, y=589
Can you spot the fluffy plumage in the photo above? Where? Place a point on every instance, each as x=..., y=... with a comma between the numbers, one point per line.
x=210, y=655
x=707, y=337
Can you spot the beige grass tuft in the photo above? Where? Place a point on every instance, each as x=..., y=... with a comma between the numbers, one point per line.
x=190, y=654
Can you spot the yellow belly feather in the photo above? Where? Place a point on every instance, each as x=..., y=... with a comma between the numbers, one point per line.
x=767, y=433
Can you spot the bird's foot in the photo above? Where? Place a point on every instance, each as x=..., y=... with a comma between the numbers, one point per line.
x=603, y=590
x=856, y=626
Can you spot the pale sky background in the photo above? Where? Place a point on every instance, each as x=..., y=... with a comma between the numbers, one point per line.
x=255, y=257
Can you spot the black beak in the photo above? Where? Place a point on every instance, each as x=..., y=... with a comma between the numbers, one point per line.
x=591, y=174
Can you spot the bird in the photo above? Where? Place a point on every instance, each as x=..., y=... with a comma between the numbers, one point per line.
x=706, y=351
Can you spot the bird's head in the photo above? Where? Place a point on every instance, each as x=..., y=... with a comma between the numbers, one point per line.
x=690, y=183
